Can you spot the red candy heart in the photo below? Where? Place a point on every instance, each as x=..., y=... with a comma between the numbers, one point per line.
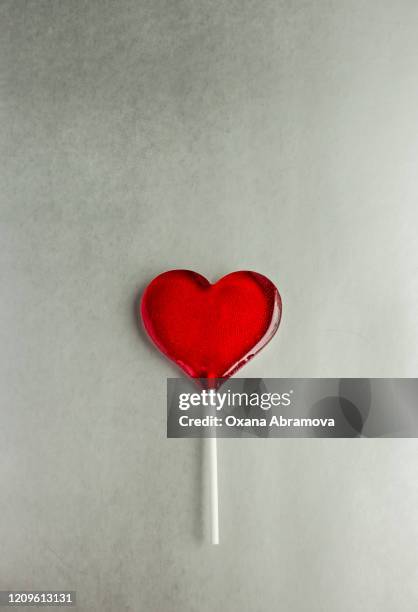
x=210, y=331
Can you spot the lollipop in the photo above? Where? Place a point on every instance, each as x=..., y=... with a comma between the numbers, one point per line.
x=211, y=330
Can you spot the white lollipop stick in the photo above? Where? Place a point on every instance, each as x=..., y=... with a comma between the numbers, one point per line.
x=214, y=501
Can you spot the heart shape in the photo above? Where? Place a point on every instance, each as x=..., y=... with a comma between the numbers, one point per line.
x=210, y=330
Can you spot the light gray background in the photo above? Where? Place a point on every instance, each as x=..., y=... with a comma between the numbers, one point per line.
x=139, y=136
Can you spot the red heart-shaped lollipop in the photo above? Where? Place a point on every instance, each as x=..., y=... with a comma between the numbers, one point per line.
x=210, y=331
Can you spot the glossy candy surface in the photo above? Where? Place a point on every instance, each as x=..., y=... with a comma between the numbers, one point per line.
x=210, y=330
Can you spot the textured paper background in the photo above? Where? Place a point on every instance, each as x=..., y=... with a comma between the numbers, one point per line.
x=141, y=136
